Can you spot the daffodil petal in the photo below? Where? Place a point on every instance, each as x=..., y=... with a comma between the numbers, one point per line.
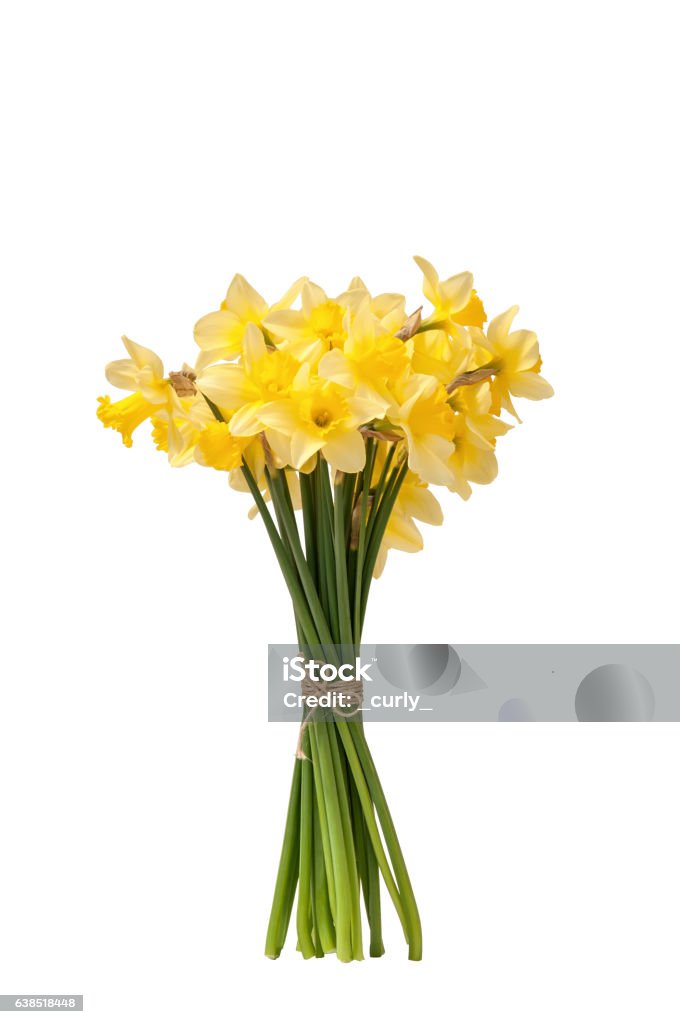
x=346, y=451
x=246, y=421
x=312, y=295
x=380, y=561
x=456, y=291
x=123, y=374
x=220, y=331
x=530, y=385
x=499, y=327
x=280, y=416
x=303, y=444
x=421, y=503
x=243, y=300
x=287, y=323
x=280, y=445
x=403, y=534
x=523, y=347
x=431, y=280
x=144, y=357
x=254, y=348
x=482, y=469
x=461, y=487
x=390, y=308
x=289, y=296
x=205, y=359
x=428, y=456
x=226, y=386
x=366, y=406
x=335, y=366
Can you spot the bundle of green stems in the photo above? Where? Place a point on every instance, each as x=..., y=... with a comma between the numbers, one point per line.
x=339, y=839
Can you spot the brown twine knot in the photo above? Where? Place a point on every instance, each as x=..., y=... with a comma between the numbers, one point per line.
x=351, y=690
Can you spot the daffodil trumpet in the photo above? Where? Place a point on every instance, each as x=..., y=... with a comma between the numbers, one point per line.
x=337, y=415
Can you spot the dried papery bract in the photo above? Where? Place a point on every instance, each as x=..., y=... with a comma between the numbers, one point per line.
x=411, y=326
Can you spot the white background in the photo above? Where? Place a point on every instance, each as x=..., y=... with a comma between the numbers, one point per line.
x=152, y=150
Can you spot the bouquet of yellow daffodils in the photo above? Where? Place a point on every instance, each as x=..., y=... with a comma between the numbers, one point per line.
x=345, y=409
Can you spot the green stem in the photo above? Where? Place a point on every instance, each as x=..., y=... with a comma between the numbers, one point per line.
x=415, y=939
x=344, y=613
x=373, y=910
x=292, y=536
x=364, y=793
x=286, y=879
x=378, y=531
x=343, y=909
x=368, y=872
x=305, y=939
x=322, y=910
x=323, y=819
x=379, y=489
x=287, y=568
x=346, y=818
x=350, y=482
x=324, y=533
x=308, y=519
x=361, y=543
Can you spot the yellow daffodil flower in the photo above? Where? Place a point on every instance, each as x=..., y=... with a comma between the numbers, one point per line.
x=319, y=416
x=441, y=354
x=216, y=446
x=423, y=413
x=142, y=374
x=475, y=432
x=312, y=330
x=470, y=463
x=474, y=404
x=516, y=361
x=370, y=359
x=454, y=300
x=389, y=307
x=177, y=430
x=220, y=335
x=242, y=390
